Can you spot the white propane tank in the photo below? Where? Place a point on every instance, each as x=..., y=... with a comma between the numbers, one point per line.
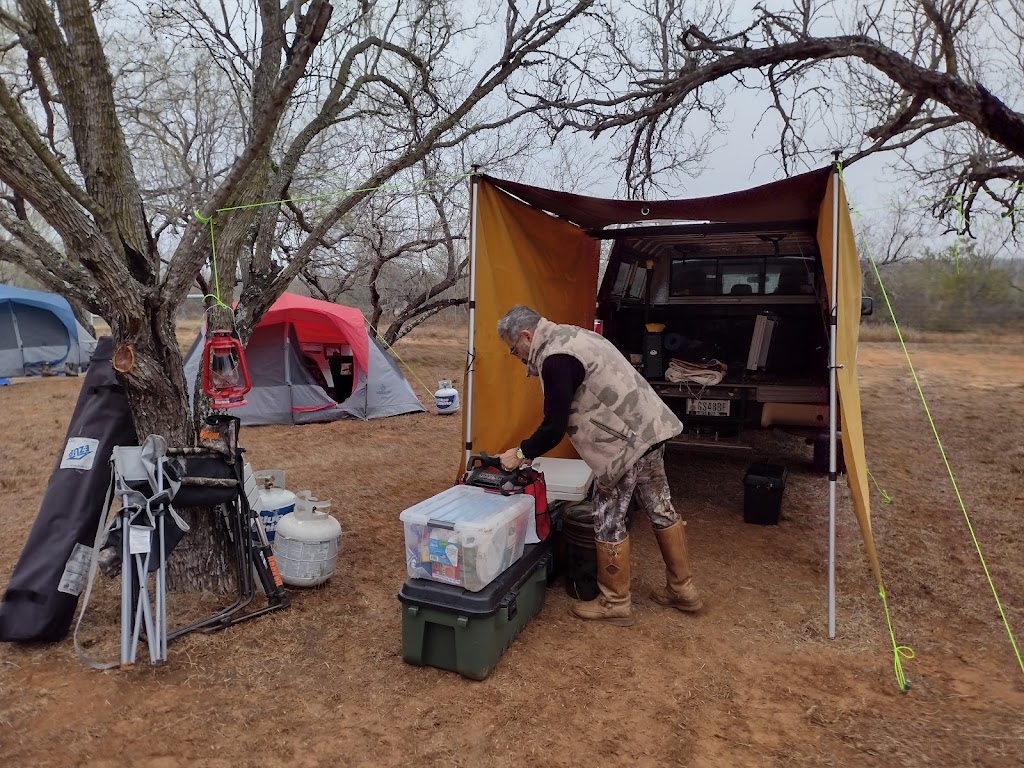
x=446, y=399
x=274, y=501
x=307, y=543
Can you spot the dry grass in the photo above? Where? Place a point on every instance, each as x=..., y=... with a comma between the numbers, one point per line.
x=752, y=681
x=886, y=332
x=186, y=330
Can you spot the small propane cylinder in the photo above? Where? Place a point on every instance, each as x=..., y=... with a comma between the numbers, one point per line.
x=275, y=501
x=307, y=543
x=446, y=399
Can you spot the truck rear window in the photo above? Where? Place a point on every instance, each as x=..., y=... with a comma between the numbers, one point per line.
x=741, y=277
x=694, y=277
x=760, y=276
x=789, y=276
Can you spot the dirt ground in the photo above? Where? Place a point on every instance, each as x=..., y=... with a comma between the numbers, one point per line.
x=751, y=681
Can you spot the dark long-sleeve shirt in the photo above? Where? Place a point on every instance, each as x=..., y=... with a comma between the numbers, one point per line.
x=562, y=376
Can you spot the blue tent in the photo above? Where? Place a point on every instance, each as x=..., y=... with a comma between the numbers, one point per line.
x=38, y=331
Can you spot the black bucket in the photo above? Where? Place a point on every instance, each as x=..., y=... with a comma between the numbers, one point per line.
x=580, y=554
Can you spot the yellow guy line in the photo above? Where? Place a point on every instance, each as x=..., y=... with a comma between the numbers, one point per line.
x=949, y=470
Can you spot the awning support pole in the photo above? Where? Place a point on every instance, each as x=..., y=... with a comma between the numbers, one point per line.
x=833, y=327
x=471, y=348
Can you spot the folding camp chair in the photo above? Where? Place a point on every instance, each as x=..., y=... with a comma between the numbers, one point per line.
x=139, y=533
x=145, y=490
x=145, y=480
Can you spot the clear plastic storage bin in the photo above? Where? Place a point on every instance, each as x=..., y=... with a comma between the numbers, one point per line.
x=465, y=535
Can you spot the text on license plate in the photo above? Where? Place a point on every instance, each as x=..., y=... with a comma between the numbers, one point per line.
x=707, y=407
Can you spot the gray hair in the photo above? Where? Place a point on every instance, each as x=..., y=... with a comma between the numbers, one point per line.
x=517, y=320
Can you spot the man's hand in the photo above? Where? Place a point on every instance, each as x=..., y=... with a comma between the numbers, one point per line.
x=509, y=459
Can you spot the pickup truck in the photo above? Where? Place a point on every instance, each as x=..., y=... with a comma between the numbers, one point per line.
x=751, y=297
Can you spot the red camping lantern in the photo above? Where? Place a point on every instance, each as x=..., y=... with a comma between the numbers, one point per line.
x=225, y=375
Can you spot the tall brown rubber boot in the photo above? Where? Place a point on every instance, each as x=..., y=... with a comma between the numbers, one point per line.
x=613, y=605
x=679, y=591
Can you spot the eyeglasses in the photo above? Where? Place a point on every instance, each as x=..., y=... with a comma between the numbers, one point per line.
x=515, y=345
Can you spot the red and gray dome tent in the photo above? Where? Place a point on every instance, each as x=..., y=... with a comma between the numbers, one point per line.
x=39, y=329
x=313, y=361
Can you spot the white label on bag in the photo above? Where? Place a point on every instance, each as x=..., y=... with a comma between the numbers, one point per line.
x=138, y=539
x=75, y=572
x=79, y=453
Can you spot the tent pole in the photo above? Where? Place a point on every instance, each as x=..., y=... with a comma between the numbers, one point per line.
x=17, y=336
x=471, y=350
x=287, y=372
x=833, y=327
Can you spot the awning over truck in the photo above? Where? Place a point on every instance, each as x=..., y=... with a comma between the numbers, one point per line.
x=533, y=247
x=797, y=198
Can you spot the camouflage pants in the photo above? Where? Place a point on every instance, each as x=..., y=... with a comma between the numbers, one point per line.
x=647, y=479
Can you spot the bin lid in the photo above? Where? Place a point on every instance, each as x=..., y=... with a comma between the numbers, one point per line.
x=454, y=599
x=566, y=479
x=467, y=507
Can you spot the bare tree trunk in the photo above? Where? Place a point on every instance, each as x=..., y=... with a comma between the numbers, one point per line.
x=150, y=368
x=201, y=562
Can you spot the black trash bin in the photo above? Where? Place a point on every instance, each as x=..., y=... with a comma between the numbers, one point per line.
x=763, y=486
x=580, y=553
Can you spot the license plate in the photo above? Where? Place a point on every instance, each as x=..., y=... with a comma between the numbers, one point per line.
x=707, y=407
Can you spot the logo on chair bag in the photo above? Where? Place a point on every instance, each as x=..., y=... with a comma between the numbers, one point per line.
x=79, y=453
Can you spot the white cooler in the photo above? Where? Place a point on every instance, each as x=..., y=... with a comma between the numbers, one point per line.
x=465, y=535
x=565, y=479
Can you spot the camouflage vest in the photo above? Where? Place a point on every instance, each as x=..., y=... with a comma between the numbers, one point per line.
x=615, y=416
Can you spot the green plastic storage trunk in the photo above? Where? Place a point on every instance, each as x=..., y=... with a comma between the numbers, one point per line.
x=448, y=627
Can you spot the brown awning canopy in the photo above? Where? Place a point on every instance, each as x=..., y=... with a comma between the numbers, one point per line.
x=797, y=198
x=523, y=255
